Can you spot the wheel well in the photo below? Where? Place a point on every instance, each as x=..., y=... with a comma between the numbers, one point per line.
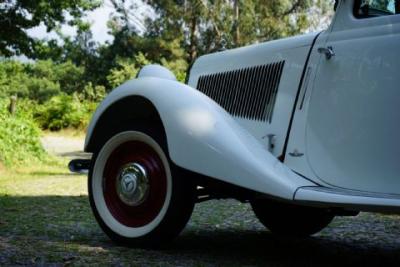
x=131, y=109
x=138, y=110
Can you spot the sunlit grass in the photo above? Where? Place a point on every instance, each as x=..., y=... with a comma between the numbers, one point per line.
x=42, y=179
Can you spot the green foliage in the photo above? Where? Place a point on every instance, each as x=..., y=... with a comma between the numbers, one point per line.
x=203, y=26
x=19, y=137
x=178, y=68
x=40, y=89
x=63, y=111
x=39, y=80
x=93, y=93
x=174, y=34
x=19, y=15
x=126, y=69
x=69, y=76
x=60, y=97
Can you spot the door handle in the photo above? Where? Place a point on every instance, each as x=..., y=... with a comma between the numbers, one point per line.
x=327, y=51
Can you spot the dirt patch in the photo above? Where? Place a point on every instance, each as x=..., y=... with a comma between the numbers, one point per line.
x=64, y=146
x=59, y=145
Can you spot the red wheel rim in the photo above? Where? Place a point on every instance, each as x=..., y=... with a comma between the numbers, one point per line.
x=144, y=155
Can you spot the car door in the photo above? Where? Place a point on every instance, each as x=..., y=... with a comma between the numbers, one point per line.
x=353, y=122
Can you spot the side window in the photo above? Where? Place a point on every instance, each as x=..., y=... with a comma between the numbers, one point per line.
x=376, y=8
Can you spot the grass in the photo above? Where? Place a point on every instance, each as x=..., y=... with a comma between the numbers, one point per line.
x=45, y=219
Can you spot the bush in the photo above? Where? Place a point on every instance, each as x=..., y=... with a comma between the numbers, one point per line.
x=64, y=111
x=19, y=137
x=93, y=93
x=40, y=80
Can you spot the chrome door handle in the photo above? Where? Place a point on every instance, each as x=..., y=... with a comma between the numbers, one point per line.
x=327, y=51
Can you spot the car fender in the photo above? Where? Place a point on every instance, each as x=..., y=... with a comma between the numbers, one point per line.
x=202, y=137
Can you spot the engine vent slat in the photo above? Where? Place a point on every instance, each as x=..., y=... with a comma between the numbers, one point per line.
x=275, y=92
x=248, y=93
x=271, y=84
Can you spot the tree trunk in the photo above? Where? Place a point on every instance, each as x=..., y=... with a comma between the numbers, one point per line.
x=236, y=23
x=193, y=45
x=12, y=108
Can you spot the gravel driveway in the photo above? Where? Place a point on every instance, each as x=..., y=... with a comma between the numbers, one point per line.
x=367, y=239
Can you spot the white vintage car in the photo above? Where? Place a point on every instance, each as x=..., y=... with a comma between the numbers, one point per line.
x=303, y=128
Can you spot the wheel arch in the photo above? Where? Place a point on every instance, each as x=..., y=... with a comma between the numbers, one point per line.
x=130, y=109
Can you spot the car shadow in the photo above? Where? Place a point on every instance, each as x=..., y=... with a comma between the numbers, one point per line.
x=261, y=248
x=61, y=220
x=76, y=154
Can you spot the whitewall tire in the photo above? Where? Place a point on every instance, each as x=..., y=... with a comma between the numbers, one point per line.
x=135, y=191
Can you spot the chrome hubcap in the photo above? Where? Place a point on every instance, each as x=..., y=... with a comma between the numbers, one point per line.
x=132, y=184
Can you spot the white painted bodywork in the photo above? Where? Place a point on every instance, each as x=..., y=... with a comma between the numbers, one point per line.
x=348, y=127
x=156, y=71
x=205, y=139
x=327, y=197
x=344, y=132
x=362, y=85
x=293, y=50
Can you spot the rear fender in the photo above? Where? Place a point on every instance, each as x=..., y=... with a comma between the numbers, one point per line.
x=204, y=138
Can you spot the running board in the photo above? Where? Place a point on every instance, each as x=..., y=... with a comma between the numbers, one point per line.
x=349, y=199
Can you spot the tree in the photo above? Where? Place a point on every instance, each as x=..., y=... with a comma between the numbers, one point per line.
x=136, y=36
x=39, y=80
x=204, y=26
x=126, y=69
x=17, y=16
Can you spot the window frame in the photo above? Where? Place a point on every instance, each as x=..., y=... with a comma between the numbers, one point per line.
x=356, y=9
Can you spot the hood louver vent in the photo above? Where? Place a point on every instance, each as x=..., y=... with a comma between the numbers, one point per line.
x=248, y=93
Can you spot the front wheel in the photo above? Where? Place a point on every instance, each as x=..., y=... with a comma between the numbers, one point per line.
x=136, y=194
x=287, y=219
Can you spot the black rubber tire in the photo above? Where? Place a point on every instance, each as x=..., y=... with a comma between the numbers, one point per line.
x=290, y=220
x=180, y=207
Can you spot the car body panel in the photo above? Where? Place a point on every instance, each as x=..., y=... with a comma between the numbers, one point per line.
x=293, y=51
x=204, y=138
x=351, y=135
x=349, y=199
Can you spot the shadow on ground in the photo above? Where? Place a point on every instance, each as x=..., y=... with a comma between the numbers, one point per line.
x=76, y=154
x=258, y=248
x=61, y=230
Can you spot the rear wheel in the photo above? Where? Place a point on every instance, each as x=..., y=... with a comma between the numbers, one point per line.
x=137, y=195
x=291, y=220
